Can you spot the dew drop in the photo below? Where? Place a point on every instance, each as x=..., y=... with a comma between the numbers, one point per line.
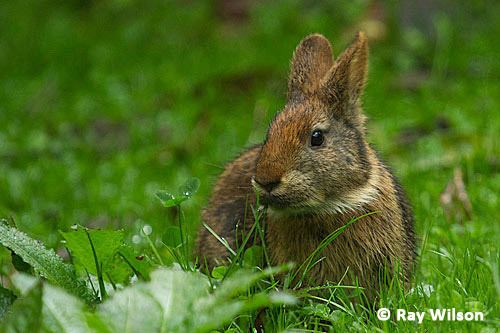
x=136, y=239
x=147, y=229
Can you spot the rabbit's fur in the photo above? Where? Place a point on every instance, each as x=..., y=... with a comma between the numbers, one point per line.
x=310, y=191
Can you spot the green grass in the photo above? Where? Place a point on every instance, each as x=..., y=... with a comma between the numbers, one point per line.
x=104, y=103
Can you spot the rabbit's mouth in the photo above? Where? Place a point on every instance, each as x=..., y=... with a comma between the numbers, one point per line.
x=289, y=205
x=292, y=210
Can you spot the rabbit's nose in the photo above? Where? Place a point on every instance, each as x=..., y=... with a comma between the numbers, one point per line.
x=268, y=186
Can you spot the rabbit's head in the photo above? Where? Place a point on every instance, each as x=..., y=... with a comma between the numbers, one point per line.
x=315, y=157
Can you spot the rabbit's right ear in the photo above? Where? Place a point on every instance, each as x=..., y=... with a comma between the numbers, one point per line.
x=311, y=61
x=346, y=81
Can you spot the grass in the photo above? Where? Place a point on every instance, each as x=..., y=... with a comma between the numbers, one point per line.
x=104, y=103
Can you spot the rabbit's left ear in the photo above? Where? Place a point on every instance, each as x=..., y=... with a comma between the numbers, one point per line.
x=311, y=61
x=346, y=80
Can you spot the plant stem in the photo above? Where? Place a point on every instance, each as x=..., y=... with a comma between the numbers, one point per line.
x=98, y=268
x=155, y=251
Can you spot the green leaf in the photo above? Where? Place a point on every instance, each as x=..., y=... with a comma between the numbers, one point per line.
x=190, y=187
x=138, y=264
x=167, y=303
x=241, y=280
x=253, y=257
x=161, y=305
x=219, y=272
x=63, y=312
x=44, y=261
x=228, y=300
x=167, y=199
x=45, y=308
x=186, y=191
x=172, y=236
x=164, y=304
x=106, y=244
x=7, y=297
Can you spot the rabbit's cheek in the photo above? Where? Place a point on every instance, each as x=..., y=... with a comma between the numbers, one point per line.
x=295, y=182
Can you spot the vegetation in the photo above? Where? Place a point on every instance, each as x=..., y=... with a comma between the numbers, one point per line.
x=105, y=107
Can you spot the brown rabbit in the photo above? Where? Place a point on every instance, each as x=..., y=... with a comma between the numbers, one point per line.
x=315, y=172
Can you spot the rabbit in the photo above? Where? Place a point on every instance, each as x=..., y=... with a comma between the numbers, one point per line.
x=314, y=173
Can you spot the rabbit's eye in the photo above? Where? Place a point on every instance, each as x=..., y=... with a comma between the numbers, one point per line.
x=317, y=138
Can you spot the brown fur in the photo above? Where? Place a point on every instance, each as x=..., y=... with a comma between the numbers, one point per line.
x=310, y=190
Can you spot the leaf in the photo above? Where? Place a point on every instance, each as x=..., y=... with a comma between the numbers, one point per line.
x=167, y=199
x=106, y=244
x=219, y=272
x=46, y=308
x=253, y=257
x=167, y=303
x=172, y=236
x=7, y=297
x=63, y=312
x=186, y=191
x=241, y=280
x=455, y=200
x=190, y=187
x=138, y=264
x=44, y=261
x=227, y=301
x=160, y=305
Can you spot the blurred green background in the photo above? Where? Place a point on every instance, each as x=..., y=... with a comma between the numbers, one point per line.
x=104, y=102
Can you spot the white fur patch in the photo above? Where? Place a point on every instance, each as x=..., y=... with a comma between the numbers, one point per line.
x=357, y=198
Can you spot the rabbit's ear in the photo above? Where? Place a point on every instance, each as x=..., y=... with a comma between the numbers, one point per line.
x=346, y=80
x=311, y=61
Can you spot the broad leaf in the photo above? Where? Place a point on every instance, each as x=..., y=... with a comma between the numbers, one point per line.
x=44, y=261
x=63, y=312
x=173, y=301
x=228, y=301
x=219, y=272
x=138, y=264
x=45, y=308
x=178, y=301
x=106, y=244
x=253, y=257
x=161, y=305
